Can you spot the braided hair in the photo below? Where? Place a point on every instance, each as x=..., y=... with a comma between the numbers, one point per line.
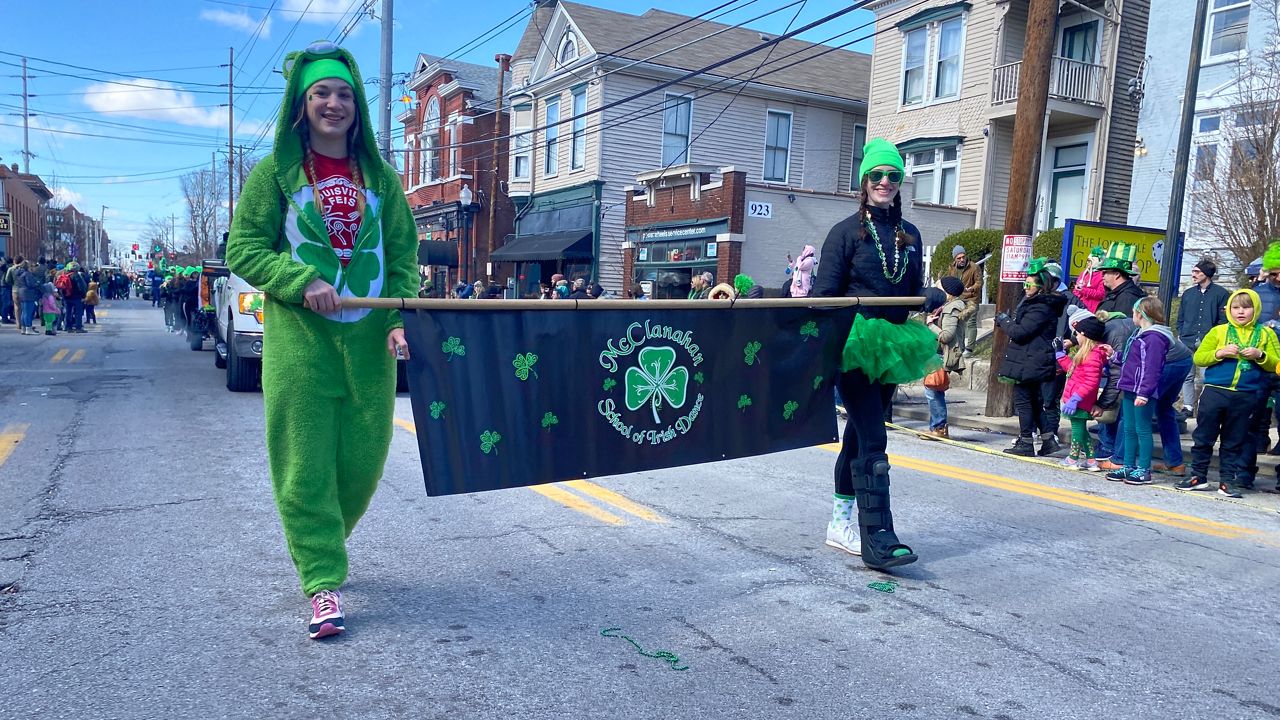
x=303, y=128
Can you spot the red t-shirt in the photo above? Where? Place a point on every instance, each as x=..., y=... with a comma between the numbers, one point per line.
x=338, y=203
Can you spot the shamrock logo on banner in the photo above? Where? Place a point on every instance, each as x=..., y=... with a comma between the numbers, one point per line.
x=656, y=378
x=453, y=346
x=524, y=365
x=744, y=401
x=789, y=409
x=749, y=352
x=808, y=330
x=437, y=408
x=489, y=442
x=817, y=381
x=697, y=377
x=609, y=384
x=550, y=419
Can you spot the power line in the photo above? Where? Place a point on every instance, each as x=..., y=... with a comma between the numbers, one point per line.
x=280, y=10
x=104, y=72
x=117, y=137
x=483, y=37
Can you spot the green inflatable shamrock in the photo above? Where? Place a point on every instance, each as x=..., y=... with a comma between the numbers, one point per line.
x=453, y=346
x=489, y=442
x=437, y=408
x=524, y=365
x=656, y=378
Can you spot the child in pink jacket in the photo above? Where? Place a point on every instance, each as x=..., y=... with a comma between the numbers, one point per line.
x=1089, y=287
x=1084, y=373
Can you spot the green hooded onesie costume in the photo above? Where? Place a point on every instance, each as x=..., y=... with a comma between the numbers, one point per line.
x=328, y=382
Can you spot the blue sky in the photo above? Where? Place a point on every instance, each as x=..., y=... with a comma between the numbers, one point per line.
x=178, y=107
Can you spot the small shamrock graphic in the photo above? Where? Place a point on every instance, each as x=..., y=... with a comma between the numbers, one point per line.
x=524, y=365
x=656, y=378
x=789, y=409
x=489, y=442
x=749, y=352
x=453, y=346
x=808, y=330
x=744, y=401
x=550, y=419
x=437, y=409
x=698, y=378
x=609, y=384
x=817, y=381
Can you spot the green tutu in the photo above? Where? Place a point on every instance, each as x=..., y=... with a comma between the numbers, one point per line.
x=890, y=353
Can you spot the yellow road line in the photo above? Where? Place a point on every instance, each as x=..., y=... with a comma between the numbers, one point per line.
x=573, y=502
x=57, y=357
x=1073, y=497
x=621, y=502
x=77, y=357
x=12, y=434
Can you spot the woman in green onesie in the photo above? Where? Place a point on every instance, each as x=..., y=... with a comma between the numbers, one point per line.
x=320, y=219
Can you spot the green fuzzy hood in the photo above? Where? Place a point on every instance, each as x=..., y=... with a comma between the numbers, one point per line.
x=288, y=146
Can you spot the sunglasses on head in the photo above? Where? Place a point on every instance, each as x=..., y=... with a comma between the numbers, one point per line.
x=895, y=176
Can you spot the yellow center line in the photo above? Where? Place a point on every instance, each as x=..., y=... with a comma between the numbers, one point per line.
x=77, y=357
x=575, y=502
x=1073, y=497
x=57, y=357
x=12, y=435
x=610, y=497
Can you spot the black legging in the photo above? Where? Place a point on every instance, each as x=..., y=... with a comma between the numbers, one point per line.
x=865, y=439
x=1036, y=404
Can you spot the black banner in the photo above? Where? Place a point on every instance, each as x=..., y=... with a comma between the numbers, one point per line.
x=509, y=398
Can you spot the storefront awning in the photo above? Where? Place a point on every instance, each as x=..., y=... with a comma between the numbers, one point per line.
x=572, y=245
x=438, y=252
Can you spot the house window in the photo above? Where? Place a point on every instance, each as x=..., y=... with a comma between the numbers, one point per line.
x=578, y=149
x=859, y=140
x=430, y=166
x=936, y=173
x=777, y=146
x=551, y=160
x=947, y=82
x=1228, y=28
x=1080, y=42
x=568, y=49
x=523, y=142
x=1206, y=161
x=676, y=118
x=454, y=137
x=1208, y=124
x=932, y=60
x=1244, y=156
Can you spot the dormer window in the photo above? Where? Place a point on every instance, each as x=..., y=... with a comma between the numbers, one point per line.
x=568, y=49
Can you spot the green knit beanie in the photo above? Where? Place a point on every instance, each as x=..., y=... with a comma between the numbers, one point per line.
x=316, y=70
x=877, y=152
x=1271, y=260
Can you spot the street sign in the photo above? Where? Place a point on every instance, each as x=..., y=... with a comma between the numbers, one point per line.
x=6, y=223
x=1014, y=255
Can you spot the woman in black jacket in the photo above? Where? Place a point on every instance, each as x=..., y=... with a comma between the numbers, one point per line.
x=1029, y=358
x=873, y=254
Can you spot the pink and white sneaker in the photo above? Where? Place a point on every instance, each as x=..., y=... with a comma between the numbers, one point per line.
x=326, y=614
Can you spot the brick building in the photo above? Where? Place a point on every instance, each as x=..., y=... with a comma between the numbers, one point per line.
x=24, y=198
x=448, y=131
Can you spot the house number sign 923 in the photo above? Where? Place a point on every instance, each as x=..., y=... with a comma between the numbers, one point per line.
x=760, y=210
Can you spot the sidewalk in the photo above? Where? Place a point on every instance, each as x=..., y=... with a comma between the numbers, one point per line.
x=969, y=425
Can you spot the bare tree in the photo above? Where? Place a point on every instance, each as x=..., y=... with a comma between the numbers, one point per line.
x=1235, y=191
x=203, y=194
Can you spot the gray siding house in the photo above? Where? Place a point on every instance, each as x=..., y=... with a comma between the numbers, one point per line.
x=795, y=129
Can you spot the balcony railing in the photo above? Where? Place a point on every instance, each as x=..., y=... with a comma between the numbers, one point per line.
x=1069, y=80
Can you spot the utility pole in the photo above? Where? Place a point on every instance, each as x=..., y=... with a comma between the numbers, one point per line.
x=504, y=63
x=231, y=135
x=102, y=216
x=26, y=123
x=384, y=84
x=173, y=232
x=1168, y=263
x=1028, y=139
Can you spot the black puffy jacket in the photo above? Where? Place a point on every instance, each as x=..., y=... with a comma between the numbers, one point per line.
x=1122, y=298
x=850, y=266
x=1029, y=355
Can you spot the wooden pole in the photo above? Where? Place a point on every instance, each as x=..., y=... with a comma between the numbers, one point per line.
x=1024, y=175
x=504, y=64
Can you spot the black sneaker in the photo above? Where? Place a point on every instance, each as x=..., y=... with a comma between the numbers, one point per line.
x=1138, y=477
x=1049, y=446
x=1194, y=482
x=1228, y=490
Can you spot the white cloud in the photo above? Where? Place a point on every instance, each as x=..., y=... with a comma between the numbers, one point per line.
x=236, y=20
x=156, y=100
x=63, y=196
x=317, y=11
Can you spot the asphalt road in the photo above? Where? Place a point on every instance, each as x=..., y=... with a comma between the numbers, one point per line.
x=145, y=576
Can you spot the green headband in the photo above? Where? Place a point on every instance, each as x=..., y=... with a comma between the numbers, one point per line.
x=316, y=70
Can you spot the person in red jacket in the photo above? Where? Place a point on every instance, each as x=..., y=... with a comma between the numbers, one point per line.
x=1084, y=375
x=1089, y=287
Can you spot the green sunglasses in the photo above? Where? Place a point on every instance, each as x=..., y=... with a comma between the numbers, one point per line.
x=875, y=176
